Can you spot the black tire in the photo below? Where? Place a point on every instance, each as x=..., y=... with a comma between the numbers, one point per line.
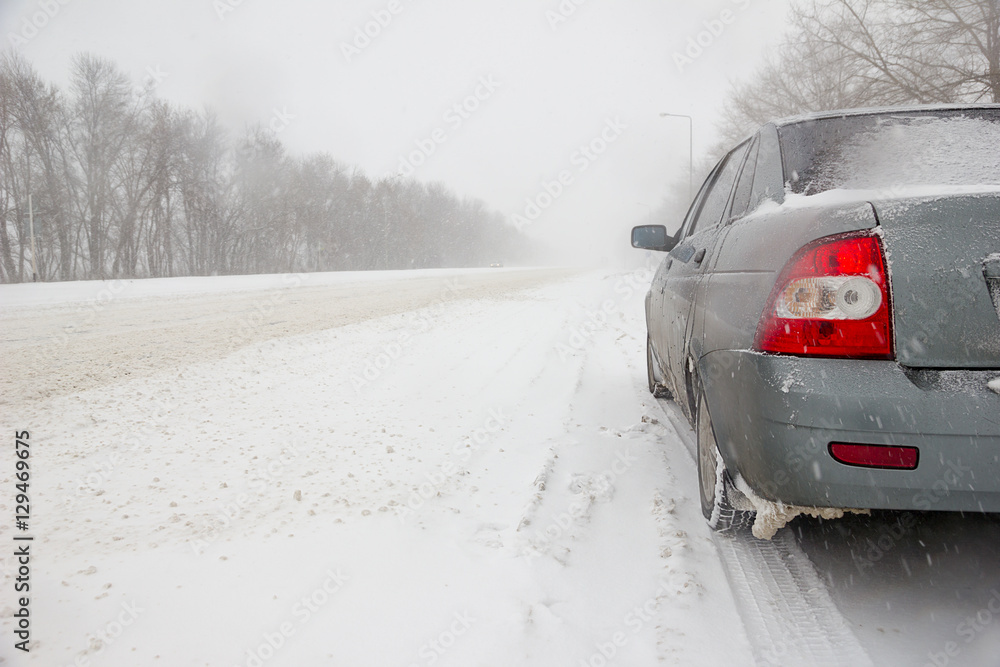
x=716, y=505
x=657, y=389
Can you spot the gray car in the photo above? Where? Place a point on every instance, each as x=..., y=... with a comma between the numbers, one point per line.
x=828, y=316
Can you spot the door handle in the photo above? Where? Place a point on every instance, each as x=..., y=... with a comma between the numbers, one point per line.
x=699, y=256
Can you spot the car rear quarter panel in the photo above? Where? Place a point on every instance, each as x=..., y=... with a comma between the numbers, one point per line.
x=751, y=256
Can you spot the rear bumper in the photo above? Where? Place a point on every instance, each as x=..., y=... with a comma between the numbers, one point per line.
x=775, y=418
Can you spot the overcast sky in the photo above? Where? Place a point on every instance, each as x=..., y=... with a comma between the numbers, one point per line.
x=535, y=80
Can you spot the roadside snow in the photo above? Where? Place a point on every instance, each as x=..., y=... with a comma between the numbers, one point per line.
x=478, y=478
x=87, y=291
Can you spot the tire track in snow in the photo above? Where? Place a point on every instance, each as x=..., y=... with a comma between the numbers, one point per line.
x=581, y=491
x=789, y=615
x=786, y=608
x=538, y=488
x=521, y=345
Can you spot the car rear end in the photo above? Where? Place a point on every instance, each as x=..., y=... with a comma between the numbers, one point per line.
x=854, y=331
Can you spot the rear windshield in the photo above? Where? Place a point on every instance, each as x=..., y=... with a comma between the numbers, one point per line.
x=956, y=147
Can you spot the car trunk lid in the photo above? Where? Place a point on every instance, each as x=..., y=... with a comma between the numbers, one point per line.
x=944, y=265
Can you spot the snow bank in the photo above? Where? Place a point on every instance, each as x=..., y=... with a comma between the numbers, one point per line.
x=481, y=499
x=82, y=291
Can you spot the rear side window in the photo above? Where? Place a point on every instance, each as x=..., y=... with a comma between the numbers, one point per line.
x=717, y=197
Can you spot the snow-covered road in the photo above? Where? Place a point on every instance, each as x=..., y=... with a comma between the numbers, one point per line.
x=426, y=468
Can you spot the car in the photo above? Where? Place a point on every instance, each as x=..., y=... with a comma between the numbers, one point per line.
x=827, y=317
x=496, y=265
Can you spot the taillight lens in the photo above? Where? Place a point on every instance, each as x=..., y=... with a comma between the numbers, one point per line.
x=831, y=300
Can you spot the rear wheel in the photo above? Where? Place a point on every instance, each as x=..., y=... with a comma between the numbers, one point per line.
x=656, y=388
x=715, y=486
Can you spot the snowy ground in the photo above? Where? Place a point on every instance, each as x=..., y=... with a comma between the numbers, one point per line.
x=429, y=468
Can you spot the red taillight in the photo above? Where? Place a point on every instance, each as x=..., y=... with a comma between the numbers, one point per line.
x=831, y=300
x=875, y=456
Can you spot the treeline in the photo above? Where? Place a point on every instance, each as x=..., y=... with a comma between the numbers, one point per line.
x=124, y=185
x=855, y=53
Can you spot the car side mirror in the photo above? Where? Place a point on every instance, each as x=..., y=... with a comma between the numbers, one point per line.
x=653, y=237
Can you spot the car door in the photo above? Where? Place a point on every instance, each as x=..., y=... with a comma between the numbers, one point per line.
x=654, y=307
x=687, y=263
x=663, y=330
x=708, y=304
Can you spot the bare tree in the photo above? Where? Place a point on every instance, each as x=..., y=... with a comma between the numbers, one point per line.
x=128, y=186
x=38, y=114
x=912, y=50
x=9, y=211
x=959, y=41
x=104, y=119
x=208, y=218
x=157, y=209
x=853, y=53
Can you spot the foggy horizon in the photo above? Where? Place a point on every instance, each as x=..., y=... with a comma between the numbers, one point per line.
x=505, y=103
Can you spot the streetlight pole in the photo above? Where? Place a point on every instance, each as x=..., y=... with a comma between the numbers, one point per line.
x=31, y=231
x=690, y=149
